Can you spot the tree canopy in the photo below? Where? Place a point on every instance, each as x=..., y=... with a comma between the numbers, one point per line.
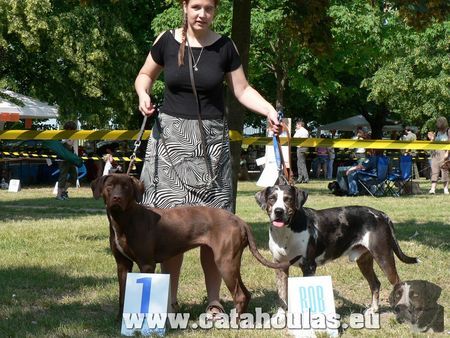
x=322, y=60
x=82, y=55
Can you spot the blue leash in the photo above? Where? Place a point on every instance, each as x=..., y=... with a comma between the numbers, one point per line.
x=278, y=152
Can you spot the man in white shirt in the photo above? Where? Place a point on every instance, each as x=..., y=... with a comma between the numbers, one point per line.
x=301, y=132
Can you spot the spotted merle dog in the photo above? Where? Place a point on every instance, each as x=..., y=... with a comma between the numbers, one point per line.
x=319, y=236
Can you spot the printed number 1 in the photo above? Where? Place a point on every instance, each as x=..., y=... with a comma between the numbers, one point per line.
x=146, y=288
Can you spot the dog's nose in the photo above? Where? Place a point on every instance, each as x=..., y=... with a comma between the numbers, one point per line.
x=116, y=198
x=278, y=211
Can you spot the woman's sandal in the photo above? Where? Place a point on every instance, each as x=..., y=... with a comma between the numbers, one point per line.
x=214, y=311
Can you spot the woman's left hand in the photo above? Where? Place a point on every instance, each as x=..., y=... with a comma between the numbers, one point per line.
x=272, y=117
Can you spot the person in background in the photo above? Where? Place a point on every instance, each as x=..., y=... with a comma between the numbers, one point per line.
x=438, y=157
x=331, y=157
x=321, y=161
x=111, y=166
x=369, y=164
x=408, y=135
x=188, y=161
x=67, y=170
x=360, y=153
x=5, y=178
x=395, y=136
x=301, y=132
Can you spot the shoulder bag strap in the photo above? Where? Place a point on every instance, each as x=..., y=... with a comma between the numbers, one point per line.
x=200, y=123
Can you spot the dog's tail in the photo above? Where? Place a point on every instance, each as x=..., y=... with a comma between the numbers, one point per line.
x=396, y=247
x=261, y=258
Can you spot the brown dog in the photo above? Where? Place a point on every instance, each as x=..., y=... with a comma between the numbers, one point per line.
x=149, y=236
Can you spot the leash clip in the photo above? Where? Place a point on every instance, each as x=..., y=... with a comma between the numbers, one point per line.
x=280, y=114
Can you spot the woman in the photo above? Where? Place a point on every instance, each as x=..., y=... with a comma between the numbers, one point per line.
x=183, y=165
x=438, y=157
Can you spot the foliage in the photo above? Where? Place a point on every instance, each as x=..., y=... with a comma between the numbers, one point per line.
x=330, y=82
x=415, y=82
x=322, y=60
x=373, y=48
x=422, y=13
x=82, y=55
x=321, y=76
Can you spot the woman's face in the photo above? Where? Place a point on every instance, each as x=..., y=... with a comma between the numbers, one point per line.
x=200, y=13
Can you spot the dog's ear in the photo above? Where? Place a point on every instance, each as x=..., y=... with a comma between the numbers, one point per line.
x=138, y=188
x=97, y=186
x=431, y=292
x=261, y=198
x=300, y=197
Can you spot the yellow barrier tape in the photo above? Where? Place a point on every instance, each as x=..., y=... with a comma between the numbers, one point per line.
x=233, y=134
x=5, y=155
x=348, y=143
x=54, y=157
x=72, y=135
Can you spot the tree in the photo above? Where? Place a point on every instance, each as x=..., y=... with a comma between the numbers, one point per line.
x=279, y=43
x=81, y=55
x=235, y=112
x=373, y=43
x=414, y=83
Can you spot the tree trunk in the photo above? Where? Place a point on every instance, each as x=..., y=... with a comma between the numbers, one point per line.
x=235, y=112
x=281, y=78
x=377, y=121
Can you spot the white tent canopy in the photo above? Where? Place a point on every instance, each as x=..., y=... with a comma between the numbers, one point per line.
x=348, y=124
x=351, y=123
x=31, y=109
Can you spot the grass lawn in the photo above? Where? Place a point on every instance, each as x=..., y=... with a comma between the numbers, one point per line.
x=58, y=277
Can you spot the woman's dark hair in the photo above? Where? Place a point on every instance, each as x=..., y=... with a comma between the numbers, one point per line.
x=182, y=48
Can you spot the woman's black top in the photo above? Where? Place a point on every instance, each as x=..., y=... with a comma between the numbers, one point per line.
x=215, y=61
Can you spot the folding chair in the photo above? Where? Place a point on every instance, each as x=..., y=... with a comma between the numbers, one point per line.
x=397, y=179
x=374, y=182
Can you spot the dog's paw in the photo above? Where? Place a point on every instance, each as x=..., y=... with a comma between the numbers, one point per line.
x=371, y=311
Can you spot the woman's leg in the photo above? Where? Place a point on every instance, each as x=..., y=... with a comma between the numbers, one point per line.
x=213, y=278
x=435, y=170
x=330, y=163
x=444, y=176
x=62, y=178
x=324, y=168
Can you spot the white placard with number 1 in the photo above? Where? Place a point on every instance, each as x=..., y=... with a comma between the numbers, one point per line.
x=146, y=296
x=313, y=298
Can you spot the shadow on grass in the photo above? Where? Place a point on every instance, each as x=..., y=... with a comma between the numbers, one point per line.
x=37, y=302
x=431, y=234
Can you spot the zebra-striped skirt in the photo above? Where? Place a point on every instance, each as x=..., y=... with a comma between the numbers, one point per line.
x=175, y=171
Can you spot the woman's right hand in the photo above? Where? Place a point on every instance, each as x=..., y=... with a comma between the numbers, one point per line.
x=146, y=106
